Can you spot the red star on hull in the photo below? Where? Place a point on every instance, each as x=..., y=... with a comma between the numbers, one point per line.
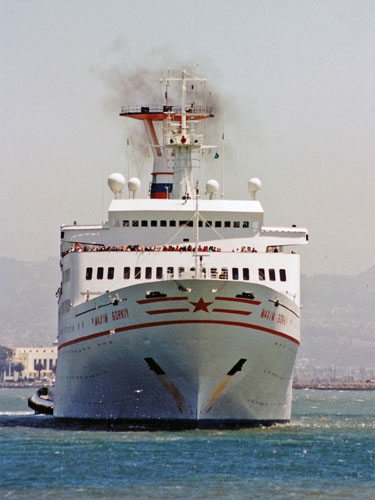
x=201, y=305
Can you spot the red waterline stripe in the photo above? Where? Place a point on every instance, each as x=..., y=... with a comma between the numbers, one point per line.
x=166, y=311
x=246, y=301
x=160, y=299
x=232, y=311
x=180, y=322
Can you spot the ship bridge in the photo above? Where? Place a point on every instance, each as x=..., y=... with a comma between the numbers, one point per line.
x=160, y=113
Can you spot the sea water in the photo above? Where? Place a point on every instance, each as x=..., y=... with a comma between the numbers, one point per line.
x=327, y=451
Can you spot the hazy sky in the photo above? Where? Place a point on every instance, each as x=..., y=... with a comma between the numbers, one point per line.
x=294, y=79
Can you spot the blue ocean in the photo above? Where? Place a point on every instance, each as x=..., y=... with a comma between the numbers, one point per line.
x=328, y=451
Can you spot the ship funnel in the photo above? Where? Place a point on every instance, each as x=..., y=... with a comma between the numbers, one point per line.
x=116, y=183
x=254, y=185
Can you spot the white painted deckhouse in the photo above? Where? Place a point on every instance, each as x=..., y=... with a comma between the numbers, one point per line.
x=184, y=308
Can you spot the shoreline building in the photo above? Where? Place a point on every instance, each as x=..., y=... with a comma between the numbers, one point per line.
x=38, y=363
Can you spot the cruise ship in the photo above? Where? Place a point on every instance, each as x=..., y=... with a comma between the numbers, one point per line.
x=184, y=308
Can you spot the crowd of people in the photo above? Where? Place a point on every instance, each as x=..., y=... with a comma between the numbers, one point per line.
x=154, y=248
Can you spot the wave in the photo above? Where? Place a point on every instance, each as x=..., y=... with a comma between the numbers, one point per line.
x=16, y=413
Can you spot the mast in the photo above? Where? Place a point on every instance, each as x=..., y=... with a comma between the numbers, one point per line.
x=172, y=174
x=197, y=273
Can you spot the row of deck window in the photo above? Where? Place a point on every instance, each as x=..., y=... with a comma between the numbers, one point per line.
x=189, y=223
x=148, y=273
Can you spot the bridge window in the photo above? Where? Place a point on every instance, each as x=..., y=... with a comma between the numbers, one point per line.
x=227, y=223
x=217, y=223
x=163, y=223
x=126, y=273
x=159, y=273
x=261, y=274
x=125, y=223
x=208, y=223
x=245, y=274
x=236, y=223
x=135, y=223
x=181, y=271
x=88, y=273
x=170, y=272
x=100, y=273
x=272, y=274
x=282, y=275
x=245, y=223
x=213, y=272
x=224, y=273
x=235, y=273
x=137, y=273
x=111, y=273
x=154, y=223
x=148, y=274
x=172, y=223
x=144, y=223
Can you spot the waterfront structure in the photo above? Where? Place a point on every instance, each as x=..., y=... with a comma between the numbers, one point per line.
x=36, y=363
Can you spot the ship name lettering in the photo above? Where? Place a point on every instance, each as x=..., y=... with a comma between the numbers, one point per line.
x=282, y=319
x=267, y=314
x=100, y=319
x=120, y=314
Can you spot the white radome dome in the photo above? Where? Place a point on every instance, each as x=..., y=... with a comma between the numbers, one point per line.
x=116, y=183
x=212, y=186
x=134, y=184
x=254, y=185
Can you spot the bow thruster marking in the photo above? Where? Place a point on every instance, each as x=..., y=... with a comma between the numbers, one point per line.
x=219, y=389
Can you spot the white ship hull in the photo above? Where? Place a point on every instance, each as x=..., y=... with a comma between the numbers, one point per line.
x=183, y=308
x=198, y=358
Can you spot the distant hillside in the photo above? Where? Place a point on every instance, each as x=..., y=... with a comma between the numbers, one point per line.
x=27, y=302
x=338, y=319
x=338, y=315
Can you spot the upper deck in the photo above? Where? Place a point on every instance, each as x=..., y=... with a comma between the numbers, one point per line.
x=225, y=224
x=160, y=113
